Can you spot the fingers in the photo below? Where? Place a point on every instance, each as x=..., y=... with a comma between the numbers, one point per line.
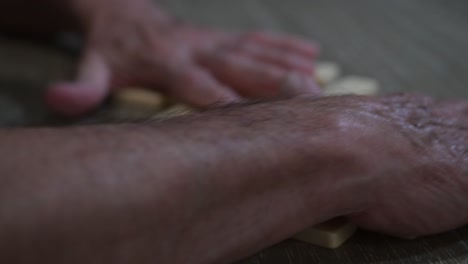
x=297, y=84
x=257, y=64
x=252, y=78
x=256, y=70
x=86, y=93
x=285, y=43
x=198, y=88
x=249, y=77
x=286, y=60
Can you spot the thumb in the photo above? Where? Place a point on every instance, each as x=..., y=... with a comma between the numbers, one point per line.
x=89, y=89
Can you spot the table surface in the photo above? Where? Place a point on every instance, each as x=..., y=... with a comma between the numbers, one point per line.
x=418, y=45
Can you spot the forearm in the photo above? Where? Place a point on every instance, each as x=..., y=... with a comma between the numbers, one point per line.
x=206, y=189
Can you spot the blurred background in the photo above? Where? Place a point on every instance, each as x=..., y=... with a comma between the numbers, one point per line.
x=418, y=45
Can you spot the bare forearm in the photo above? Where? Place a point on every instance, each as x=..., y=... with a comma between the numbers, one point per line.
x=206, y=189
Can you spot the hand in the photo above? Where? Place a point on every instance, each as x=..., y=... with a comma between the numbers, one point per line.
x=416, y=151
x=137, y=46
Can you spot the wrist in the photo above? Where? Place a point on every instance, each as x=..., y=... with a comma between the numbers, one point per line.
x=302, y=163
x=342, y=180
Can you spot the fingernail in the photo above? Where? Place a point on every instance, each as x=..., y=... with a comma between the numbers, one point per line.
x=297, y=84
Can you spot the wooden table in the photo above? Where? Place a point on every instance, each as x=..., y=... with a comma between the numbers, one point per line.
x=417, y=45
x=367, y=248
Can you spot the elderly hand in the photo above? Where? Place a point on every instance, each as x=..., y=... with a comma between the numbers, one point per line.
x=138, y=45
x=416, y=154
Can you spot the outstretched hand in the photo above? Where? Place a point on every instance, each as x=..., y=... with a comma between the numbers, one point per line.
x=137, y=46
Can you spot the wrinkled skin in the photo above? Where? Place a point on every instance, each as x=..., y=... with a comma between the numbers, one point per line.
x=139, y=46
x=394, y=164
x=418, y=163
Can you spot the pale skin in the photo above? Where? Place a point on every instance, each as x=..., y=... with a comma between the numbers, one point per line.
x=219, y=186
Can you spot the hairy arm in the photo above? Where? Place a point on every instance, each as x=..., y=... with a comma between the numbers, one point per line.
x=210, y=188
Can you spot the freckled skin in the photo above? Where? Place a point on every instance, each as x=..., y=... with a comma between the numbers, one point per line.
x=219, y=186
